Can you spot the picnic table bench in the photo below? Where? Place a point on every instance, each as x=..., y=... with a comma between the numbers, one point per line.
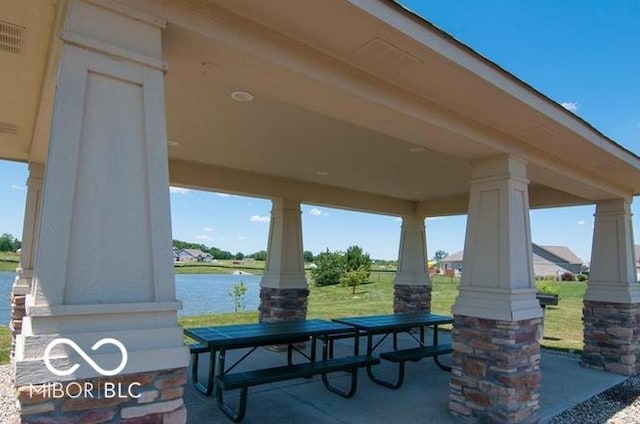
x=386, y=325
x=217, y=340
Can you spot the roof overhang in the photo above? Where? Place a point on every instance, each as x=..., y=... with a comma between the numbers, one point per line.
x=357, y=104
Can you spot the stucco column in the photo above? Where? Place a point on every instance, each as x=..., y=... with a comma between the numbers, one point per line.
x=611, y=312
x=283, y=288
x=24, y=273
x=104, y=268
x=412, y=285
x=497, y=319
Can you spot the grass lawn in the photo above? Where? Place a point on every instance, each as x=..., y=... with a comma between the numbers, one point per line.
x=5, y=345
x=563, y=323
x=9, y=261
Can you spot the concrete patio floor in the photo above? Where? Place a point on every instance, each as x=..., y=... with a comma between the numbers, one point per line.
x=423, y=397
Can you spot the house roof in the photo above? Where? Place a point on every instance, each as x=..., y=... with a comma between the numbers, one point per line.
x=562, y=252
x=195, y=252
x=454, y=257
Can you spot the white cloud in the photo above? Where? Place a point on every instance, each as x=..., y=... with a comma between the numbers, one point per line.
x=581, y=222
x=397, y=218
x=242, y=238
x=315, y=212
x=222, y=194
x=258, y=218
x=203, y=237
x=570, y=106
x=179, y=190
x=18, y=187
x=207, y=229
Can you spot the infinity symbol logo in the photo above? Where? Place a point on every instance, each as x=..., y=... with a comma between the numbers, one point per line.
x=86, y=357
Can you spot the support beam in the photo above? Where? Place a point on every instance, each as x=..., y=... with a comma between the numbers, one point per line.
x=104, y=252
x=30, y=230
x=611, y=311
x=412, y=285
x=283, y=288
x=212, y=177
x=497, y=319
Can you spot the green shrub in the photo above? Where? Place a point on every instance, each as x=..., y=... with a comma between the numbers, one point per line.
x=581, y=277
x=330, y=268
x=547, y=287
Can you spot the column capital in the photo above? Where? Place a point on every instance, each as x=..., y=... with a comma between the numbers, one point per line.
x=412, y=255
x=613, y=276
x=497, y=276
x=285, y=265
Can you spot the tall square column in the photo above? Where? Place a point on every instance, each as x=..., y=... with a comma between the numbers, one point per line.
x=103, y=285
x=283, y=288
x=412, y=285
x=611, y=312
x=497, y=319
x=30, y=230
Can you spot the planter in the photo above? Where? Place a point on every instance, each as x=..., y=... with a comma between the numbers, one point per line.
x=546, y=299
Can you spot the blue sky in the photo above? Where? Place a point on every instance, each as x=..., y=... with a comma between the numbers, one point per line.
x=582, y=53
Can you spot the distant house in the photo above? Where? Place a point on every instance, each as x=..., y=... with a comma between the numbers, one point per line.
x=453, y=263
x=193, y=255
x=547, y=261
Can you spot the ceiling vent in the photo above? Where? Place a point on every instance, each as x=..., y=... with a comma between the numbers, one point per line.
x=11, y=38
x=7, y=128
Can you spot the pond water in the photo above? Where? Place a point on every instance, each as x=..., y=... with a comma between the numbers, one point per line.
x=199, y=293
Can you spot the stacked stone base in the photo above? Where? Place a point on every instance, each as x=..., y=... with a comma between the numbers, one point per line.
x=18, y=311
x=144, y=398
x=612, y=337
x=411, y=299
x=283, y=304
x=495, y=375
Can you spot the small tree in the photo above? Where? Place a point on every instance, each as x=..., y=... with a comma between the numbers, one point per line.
x=237, y=293
x=354, y=278
x=439, y=256
x=239, y=256
x=355, y=259
x=330, y=268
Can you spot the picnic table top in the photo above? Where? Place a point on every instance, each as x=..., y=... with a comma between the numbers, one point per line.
x=394, y=321
x=264, y=333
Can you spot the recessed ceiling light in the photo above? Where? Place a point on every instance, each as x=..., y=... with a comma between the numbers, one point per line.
x=242, y=96
x=172, y=143
x=417, y=149
x=322, y=173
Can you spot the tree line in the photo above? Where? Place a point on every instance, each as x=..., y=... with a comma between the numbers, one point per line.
x=218, y=253
x=9, y=243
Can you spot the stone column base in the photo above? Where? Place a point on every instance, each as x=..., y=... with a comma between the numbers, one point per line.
x=151, y=398
x=611, y=337
x=411, y=299
x=495, y=375
x=283, y=304
x=18, y=311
